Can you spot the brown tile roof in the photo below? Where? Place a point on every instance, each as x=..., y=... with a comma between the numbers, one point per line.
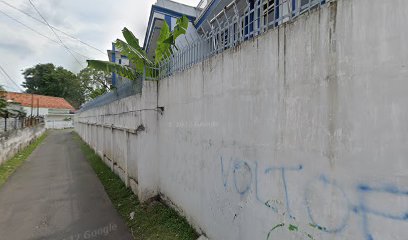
x=25, y=99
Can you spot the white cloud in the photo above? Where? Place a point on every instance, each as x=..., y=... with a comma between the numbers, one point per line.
x=98, y=22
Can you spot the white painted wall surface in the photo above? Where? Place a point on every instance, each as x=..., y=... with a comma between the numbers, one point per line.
x=59, y=121
x=13, y=141
x=299, y=133
x=41, y=111
x=113, y=144
x=58, y=124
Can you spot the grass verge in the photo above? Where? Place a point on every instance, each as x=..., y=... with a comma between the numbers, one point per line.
x=151, y=221
x=11, y=165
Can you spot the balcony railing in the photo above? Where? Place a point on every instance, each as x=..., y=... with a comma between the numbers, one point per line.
x=229, y=30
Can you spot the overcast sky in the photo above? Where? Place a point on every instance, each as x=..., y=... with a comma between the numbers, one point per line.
x=97, y=22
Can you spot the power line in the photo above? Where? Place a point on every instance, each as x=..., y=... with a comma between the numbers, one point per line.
x=58, y=30
x=9, y=86
x=55, y=33
x=5, y=82
x=8, y=76
x=39, y=33
x=10, y=79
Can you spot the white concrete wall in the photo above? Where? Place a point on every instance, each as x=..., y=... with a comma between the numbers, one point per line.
x=59, y=124
x=59, y=121
x=132, y=138
x=299, y=134
x=13, y=141
x=10, y=123
x=41, y=111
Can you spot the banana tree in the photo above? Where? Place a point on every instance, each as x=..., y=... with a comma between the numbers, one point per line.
x=137, y=56
x=167, y=39
x=140, y=63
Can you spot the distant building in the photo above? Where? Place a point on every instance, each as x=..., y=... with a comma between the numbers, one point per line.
x=116, y=56
x=57, y=112
x=169, y=11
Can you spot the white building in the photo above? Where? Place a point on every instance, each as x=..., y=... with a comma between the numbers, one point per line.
x=57, y=112
x=169, y=11
x=116, y=56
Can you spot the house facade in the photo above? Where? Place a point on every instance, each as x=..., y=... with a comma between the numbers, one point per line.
x=57, y=112
x=116, y=56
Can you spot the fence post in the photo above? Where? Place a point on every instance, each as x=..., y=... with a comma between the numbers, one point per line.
x=126, y=156
x=112, y=165
x=104, y=142
x=144, y=74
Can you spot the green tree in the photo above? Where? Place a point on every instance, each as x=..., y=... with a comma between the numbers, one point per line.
x=137, y=56
x=163, y=49
x=4, y=111
x=3, y=102
x=94, y=83
x=49, y=80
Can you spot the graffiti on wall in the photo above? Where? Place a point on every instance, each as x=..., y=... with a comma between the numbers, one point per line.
x=244, y=177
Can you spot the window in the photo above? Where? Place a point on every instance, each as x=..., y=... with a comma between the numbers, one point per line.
x=268, y=12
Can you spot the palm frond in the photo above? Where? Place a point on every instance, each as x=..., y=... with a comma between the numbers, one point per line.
x=180, y=29
x=131, y=39
x=163, y=48
x=109, y=67
x=131, y=52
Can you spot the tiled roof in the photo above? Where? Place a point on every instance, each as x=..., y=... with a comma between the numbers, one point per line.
x=25, y=99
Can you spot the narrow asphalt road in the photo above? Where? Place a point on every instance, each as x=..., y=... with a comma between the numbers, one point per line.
x=56, y=195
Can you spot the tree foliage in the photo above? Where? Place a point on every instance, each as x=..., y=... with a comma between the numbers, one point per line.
x=3, y=102
x=179, y=29
x=137, y=56
x=94, y=82
x=5, y=112
x=167, y=39
x=109, y=67
x=163, y=49
x=49, y=80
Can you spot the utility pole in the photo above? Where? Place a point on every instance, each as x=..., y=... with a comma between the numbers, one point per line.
x=32, y=103
x=38, y=107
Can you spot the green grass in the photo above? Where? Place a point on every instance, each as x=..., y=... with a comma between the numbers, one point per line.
x=151, y=221
x=11, y=165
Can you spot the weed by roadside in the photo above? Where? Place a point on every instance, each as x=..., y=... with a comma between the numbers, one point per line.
x=146, y=221
x=11, y=165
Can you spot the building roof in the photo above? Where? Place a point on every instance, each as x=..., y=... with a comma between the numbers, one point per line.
x=158, y=14
x=26, y=99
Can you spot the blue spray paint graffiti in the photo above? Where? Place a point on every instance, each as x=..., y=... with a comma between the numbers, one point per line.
x=283, y=170
x=364, y=210
x=225, y=175
x=242, y=177
x=241, y=173
x=332, y=186
x=246, y=175
x=249, y=176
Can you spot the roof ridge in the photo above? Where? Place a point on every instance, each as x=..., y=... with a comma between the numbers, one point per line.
x=25, y=99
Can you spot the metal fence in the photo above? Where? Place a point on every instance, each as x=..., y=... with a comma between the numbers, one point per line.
x=231, y=27
x=9, y=124
x=124, y=88
x=235, y=24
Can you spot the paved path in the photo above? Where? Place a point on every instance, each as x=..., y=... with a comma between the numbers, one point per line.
x=56, y=195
